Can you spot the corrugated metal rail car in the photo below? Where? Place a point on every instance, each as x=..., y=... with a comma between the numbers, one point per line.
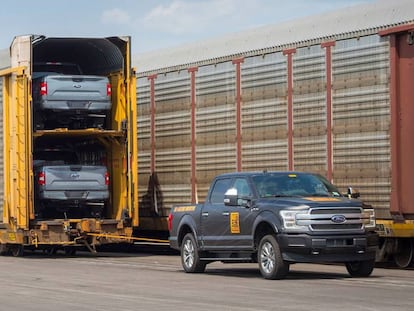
x=330, y=94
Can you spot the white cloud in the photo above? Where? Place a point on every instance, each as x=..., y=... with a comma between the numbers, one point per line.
x=181, y=16
x=115, y=16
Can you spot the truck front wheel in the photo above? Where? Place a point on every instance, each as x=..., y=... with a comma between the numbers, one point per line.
x=360, y=268
x=190, y=259
x=271, y=263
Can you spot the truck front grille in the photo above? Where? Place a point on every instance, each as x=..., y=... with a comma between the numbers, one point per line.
x=331, y=219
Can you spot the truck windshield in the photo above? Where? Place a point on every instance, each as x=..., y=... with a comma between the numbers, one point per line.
x=57, y=67
x=54, y=156
x=292, y=184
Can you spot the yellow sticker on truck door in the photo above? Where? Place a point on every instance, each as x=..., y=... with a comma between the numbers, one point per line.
x=234, y=223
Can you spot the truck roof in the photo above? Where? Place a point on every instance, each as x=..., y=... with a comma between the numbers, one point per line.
x=254, y=173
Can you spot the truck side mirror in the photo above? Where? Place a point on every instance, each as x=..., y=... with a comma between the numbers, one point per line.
x=231, y=197
x=353, y=193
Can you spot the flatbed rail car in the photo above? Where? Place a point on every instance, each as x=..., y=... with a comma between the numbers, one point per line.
x=318, y=94
x=22, y=226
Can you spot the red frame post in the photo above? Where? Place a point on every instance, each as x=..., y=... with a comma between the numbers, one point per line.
x=329, y=144
x=238, y=62
x=152, y=112
x=194, y=197
x=289, y=53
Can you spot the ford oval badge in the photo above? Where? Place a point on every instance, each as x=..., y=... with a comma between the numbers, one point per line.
x=338, y=219
x=74, y=175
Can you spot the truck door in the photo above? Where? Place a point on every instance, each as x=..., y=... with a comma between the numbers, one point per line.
x=224, y=226
x=243, y=216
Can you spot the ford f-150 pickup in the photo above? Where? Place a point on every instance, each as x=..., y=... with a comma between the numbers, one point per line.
x=64, y=97
x=66, y=188
x=275, y=219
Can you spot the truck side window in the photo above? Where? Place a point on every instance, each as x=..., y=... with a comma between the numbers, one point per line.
x=219, y=189
x=242, y=187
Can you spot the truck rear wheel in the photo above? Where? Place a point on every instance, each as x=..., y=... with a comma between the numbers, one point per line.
x=190, y=258
x=360, y=268
x=271, y=263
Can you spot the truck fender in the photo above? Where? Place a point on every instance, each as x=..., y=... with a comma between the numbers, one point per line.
x=186, y=225
x=265, y=223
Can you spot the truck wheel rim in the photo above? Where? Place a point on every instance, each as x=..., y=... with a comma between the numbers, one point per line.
x=188, y=253
x=267, y=257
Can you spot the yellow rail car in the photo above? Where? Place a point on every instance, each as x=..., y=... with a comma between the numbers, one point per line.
x=20, y=226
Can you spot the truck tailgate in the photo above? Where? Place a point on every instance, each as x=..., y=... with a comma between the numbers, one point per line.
x=74, y=177
x=76, y=88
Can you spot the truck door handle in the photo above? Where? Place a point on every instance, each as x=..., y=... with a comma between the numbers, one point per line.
x=204, y=214
x=225, y=213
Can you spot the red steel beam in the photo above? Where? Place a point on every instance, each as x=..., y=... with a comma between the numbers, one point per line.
x=395, y=143
x=289, y=53
x=238, y=62
x=329, y=146
x=152, y=112
x=396, y=29
x=401, y=125
x=194, y=197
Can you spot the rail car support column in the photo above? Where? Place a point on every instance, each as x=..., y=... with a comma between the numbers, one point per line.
x=289, y=53
x=329, y=152
x=194, y=197
x=238, y=62
x=152, y=109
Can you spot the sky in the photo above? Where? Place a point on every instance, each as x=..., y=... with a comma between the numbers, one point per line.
x=152, y=24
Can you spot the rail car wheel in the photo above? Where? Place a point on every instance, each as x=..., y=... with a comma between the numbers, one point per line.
x=3, y=249
x=405, y=253
x=50, y=251
x=16, y=250
x=70, y=251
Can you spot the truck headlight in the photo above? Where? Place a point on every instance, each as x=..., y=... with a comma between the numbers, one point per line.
x=368, y=217
x=290, y=221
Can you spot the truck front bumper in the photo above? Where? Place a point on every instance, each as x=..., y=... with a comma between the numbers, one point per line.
x=335, y=248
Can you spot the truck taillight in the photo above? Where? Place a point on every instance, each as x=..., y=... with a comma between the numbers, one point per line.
x=107, y=178
x=108, y=89
x=43, y=88
x=170, y=220
x=41, y=179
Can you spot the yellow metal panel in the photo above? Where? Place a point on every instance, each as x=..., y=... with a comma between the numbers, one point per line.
x=133, y=150
x=390, y=228
x=128, y=112
x=17, y=148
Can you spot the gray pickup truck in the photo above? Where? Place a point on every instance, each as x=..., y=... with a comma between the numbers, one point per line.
x=66, y=189
x=275, y=219
x=64, y=97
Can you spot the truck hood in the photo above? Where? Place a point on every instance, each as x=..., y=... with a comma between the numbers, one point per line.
x=283, y=202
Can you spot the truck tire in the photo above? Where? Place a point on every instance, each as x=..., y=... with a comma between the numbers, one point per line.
x=190, y=258
x=360, y=268
x=271, y=263
x=405, y=253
